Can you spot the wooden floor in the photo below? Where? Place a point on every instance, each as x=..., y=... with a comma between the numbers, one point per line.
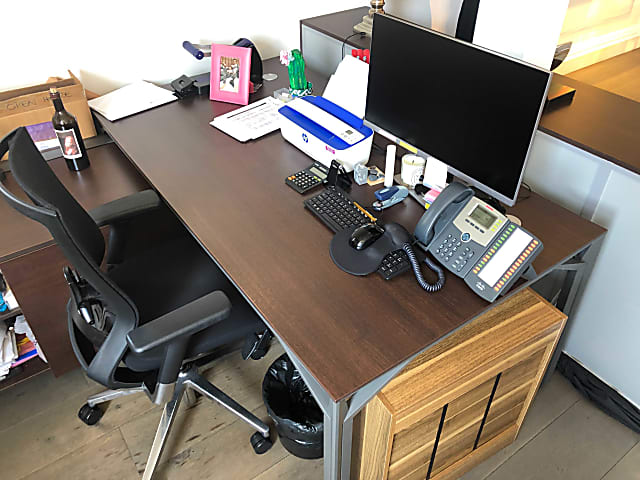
x=619, y=75
x=564, y=436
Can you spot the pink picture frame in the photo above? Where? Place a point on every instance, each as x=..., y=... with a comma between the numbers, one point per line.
x=230, y=72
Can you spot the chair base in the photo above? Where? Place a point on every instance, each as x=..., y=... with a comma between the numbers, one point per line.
x=188, y=383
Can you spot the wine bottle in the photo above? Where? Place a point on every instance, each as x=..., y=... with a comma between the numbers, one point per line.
x=68, y=133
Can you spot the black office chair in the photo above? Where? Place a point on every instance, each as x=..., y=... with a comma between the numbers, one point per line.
x=467, y=17
x=143, y=322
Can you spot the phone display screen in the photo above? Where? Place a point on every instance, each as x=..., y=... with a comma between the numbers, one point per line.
x=482, y=217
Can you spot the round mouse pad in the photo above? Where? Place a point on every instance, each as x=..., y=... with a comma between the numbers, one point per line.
x=358, y=262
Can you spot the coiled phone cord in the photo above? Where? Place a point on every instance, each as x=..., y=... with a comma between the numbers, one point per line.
x=429, y=287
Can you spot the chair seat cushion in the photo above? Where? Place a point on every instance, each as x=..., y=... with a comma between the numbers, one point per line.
x=169, y=275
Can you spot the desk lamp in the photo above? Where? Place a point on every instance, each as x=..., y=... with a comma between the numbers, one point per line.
x=366, y=26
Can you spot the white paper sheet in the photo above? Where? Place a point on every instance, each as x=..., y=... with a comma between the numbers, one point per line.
x=347, y=87
x=252, y=121
x=435, y=174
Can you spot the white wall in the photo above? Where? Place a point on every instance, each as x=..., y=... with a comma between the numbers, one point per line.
x=441, y=15
x=599, y=29
x=604, y=329
x=109, y=44
x=605, y=336
x=523, y=29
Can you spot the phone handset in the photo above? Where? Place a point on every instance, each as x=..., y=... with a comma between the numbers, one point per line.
x=445, y=206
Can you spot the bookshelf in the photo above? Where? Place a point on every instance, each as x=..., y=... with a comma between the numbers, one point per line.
x=31, y=368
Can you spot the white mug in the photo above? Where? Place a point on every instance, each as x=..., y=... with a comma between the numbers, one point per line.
x=412, y=169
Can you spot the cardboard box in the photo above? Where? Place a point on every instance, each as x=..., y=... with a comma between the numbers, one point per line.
x=31, y=107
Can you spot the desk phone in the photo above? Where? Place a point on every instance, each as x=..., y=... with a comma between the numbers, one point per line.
x=476, y=242
x=466, y=235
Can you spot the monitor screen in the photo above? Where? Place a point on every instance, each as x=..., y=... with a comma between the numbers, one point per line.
x=473, y=109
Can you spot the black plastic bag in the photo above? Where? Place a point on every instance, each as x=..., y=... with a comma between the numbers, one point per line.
x=298, y=418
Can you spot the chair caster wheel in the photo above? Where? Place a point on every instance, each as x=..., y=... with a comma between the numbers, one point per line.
x=90, y=415
x=260, y=444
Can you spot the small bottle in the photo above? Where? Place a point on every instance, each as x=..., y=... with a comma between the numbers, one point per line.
x=68, y=133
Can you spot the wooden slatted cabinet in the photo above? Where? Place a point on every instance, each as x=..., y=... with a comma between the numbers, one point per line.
x=461, y=401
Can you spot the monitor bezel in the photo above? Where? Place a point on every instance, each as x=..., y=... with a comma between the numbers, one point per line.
x=509, y=201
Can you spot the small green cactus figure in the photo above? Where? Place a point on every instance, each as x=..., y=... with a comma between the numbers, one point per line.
x=298, y=85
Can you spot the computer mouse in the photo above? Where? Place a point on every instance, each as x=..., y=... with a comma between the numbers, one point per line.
x=365, y=235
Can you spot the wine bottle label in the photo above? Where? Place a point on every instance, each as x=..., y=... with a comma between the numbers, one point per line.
x=69, y=144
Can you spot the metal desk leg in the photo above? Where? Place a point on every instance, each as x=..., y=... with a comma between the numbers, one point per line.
x=338, y=416
x=578, y=272
x=334, y=433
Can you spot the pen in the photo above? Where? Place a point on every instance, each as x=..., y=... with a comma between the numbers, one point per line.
x=371, y=217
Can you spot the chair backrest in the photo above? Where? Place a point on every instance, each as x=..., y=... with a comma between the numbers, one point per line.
x=82, y=243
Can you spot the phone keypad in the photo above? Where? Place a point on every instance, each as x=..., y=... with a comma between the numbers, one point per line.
x=453, y=252
x=393, y=264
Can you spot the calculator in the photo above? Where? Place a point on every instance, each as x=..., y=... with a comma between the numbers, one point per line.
x=309, y=178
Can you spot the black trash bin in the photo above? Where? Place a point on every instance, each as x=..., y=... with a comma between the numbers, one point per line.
x=298, y=418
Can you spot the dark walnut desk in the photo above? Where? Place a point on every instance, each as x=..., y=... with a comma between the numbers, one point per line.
x=349, y=336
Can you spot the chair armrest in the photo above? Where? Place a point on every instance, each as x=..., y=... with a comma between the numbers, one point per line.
x=125, y=208
x=182, y=322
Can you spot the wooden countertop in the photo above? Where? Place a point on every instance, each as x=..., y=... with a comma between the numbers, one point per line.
x=346, y=330
x=110, y=176
x=597, y=121
x=340, y=26
x=619, y=75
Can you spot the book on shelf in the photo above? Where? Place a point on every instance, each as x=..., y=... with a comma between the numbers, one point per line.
x=26, y=350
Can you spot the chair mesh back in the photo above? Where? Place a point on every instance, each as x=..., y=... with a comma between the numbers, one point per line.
x=39, y=182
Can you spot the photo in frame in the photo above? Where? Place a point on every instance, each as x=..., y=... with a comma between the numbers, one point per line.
x=230, y=72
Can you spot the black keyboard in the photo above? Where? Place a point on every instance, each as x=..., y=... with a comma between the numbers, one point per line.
x=336, y=210
x=394, y=264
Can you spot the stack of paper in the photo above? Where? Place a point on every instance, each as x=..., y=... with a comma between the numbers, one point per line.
x=252, y=121
x=132, y=99
x=26, y=351
x=22, y=327
x=8, y=349
x=347, y=87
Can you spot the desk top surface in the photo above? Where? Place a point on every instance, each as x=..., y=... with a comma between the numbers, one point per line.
x=346, y=330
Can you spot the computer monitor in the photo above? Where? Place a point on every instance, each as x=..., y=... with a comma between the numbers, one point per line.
x=473, y=109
